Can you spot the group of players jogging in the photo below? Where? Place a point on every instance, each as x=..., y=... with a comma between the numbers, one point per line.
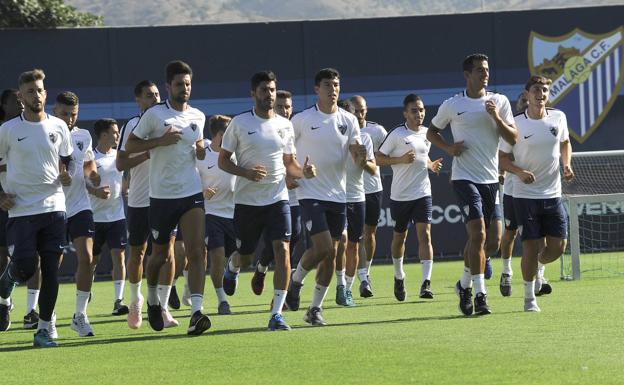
x=313, y=177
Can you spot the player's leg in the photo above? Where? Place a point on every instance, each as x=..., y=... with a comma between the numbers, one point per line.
x=528, y=215
x=355, y=228
x=279, y=228
x=117, y=240
x=192, y=223
x=402, y=214
x=221, y=242
x=368, y=245
x=166, y=277
x=296, y=236
x=138, y=233
x=33, y=288
x=341, y=261
x=266, y=257
x=493, y=240
x=248, y=227
x=422, y=211
x=507, y=244
x=180, y=260
x=555, y=223
x=81, y=230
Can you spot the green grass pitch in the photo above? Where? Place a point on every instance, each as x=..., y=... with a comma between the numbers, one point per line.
x=577, y=339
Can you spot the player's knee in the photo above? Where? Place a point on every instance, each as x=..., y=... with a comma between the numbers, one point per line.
x=24, y=268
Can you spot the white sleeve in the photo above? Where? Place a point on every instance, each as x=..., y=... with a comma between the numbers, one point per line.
x=230, y=137
x=145, y=127
x=504, y=146
x=296, y=123
x=387, y=145
x=354, y=132
x=382, y=133
x=4, y=143
x=65, y=148
x=289, y=145
x=200, y=128
x=504, y=110
x=563, y=127
x=368, y=143
x=443, y=117
x=89, y=155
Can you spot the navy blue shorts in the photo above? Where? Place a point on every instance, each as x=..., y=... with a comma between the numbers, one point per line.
x=138, y=225
x=319, y=216
x=112, y=233
x=406, y=212
x=251, y=221
x=510, y=213
x=41, y=233
x=220, y=233
x=164, y=215
x=538, y=218
x=476, y=200
x=4, y=218
x=497, y=214
x=295, y=223
x=373, y=208
x=80, y=225
x=355, y=220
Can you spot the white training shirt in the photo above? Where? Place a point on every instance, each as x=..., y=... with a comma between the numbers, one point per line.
x=377, y=133
x=111, y=209
x=138, y=191
x=260, y=142
x=292, y=198
x=172, y=171
x=76, y=195
x=355, y=173
x=471, y=123
x=222, y=203
x=409, y=181
x=325, y=138
x=538, y=150
x=32, y=151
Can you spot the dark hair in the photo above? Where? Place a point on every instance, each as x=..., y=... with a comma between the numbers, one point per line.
x=468, y=63
x=537, y=80
x=326, y=73
x=346, y=104
x=262, y=76
x=411, y=98
x=4, y=98
x=67, y=98
x=30, y=76
x=138, y=89
x=177, y=67
x=103, y=125
x=283, y=94
x=218, y=123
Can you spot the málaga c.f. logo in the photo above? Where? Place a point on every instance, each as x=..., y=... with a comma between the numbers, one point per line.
x=587, y=71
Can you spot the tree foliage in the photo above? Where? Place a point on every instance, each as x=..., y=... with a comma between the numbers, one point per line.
x=43, y=14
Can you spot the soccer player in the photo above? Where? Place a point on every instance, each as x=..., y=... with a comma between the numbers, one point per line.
x=108, y=211
x=80, y=227
x=543, y=143
x=146, y=95
x=37, y=148
x=356, y=212
x=283, y=107
x=373, y=189
x=406, y=150
x=264, y=147
x=477, y=118
x=10, y=107
x=173, y=133
x=218, y=188
x=326, y=134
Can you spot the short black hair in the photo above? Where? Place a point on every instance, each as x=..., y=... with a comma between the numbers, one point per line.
x=138, y=89
x=469, y=60
x=67, y=98
x=4, y=98
x=218, y=123
x=346, y=104
x=411, y=98
x=103, y=125
x=262, y=76
x=326, y=73
x=283, y=94
x=177, y=67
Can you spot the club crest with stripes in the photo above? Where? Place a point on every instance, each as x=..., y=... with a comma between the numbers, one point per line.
x=587, y=71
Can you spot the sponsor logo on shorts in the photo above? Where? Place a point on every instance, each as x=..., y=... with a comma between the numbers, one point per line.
x=155, y=234
x=308, y=225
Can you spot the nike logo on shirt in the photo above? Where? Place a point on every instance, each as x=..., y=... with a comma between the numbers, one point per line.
x=460, y=113
x=528, y=136
x=20, y=139
x=209, y=167
x=316, y=128
x=251, y=132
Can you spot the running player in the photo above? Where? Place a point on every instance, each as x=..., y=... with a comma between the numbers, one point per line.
x=543, y=143
x=137, y=164
x=80, y=227
x=406, y=150
x=218, y=188
x=107, y=205
x=264, y=147
x=32, y=145
x=477, y=118
x=325, y=134
x=173, y=133
x=373, y=188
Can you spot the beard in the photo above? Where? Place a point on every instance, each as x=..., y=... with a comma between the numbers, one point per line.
x=180, y=98
x=33, y=107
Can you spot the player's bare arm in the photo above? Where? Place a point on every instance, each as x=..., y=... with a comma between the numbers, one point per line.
x=125, y=163
x=506, y=131
x=136, y=144
x=566, y=160
x=506, y=164
x=435, y=137
x=255, y=173
x=297, y=171
x=200, y=149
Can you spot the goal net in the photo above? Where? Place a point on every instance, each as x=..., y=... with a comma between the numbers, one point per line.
x=595, y=203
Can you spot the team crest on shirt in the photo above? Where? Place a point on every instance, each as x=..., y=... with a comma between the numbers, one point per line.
x=281, y=133
x=342, y=128
x=80, y=145
x=52, y=137
x=193, y=127
x=554, y=131
x=587, y=71
x=155, y=234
